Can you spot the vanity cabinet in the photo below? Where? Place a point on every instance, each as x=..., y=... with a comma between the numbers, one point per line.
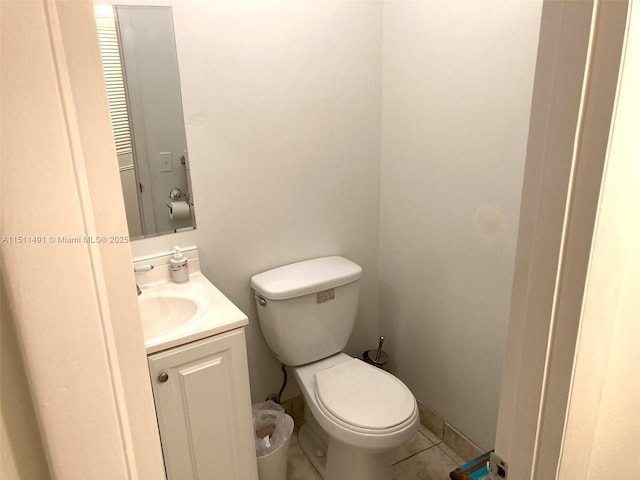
x=201, y=392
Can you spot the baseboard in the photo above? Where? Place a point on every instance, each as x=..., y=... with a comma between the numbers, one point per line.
x=447, y=433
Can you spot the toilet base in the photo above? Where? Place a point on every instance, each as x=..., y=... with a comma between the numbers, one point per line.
x=337, y=461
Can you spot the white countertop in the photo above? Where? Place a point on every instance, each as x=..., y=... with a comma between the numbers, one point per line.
x=214, y=313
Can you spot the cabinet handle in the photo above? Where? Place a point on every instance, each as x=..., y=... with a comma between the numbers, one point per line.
x=163, y=377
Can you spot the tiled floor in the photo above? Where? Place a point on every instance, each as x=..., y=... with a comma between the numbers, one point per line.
x=424, y=457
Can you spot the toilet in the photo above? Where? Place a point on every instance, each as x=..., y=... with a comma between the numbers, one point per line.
x=355, y=413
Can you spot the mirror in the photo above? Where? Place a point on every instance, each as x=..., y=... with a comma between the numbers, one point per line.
x=140, y=63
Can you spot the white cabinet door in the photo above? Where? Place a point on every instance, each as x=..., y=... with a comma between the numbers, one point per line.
x=204, y=409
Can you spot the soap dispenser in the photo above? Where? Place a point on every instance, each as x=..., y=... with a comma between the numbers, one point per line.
x=179, y=266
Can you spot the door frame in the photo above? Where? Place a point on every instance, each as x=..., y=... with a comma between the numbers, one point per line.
x=561, y=200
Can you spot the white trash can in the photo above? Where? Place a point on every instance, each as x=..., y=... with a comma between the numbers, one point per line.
x=273, y=465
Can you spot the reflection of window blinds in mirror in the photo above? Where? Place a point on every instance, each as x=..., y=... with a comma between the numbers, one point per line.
x=110, y=51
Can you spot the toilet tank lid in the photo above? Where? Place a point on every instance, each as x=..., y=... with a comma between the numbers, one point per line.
x=303, y=278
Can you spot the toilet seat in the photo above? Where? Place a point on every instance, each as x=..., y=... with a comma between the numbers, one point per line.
x=364, y=398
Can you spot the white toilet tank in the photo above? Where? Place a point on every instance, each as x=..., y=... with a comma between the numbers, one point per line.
x=307, y=309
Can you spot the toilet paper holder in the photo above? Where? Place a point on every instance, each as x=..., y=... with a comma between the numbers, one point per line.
x=170, y=207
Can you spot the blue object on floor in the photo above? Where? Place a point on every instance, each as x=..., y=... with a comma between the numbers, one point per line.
x=474, y=470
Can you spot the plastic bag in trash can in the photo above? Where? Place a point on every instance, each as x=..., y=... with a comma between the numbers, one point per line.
x=270, y=427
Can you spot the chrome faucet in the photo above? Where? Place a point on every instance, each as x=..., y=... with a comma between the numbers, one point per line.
x=143, y=268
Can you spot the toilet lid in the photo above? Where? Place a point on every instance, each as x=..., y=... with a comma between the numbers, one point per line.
x=364, y=396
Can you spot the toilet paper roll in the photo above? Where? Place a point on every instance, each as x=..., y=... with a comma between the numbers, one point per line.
x=179, y=210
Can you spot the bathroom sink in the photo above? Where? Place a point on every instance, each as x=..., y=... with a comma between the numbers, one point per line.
x=174, y=314
x=162, y=314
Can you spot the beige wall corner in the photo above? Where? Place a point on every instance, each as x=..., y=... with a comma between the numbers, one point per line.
x=602, y=425
x=72, y=301
x=576, y=77
x=21, y=451
x=552, y=131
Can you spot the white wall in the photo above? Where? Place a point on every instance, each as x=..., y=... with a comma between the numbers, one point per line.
x=282, y=114
x=457, y=85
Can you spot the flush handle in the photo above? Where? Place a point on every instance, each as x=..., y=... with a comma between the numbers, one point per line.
x=163, y=377
x=261, y=301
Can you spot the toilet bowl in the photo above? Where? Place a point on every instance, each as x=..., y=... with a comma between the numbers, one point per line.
x=355, y=413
